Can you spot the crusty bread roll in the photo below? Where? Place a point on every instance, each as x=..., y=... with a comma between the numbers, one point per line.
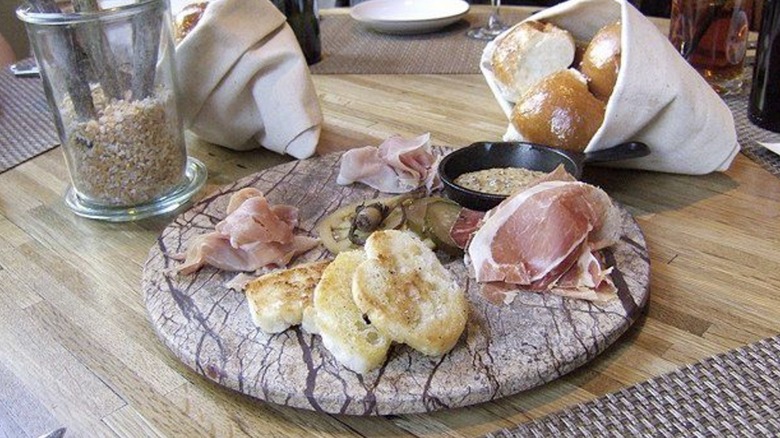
x=277, y=300
x=601, y=61
x=528, y=53
x=408, y=295
x=559, y=111
x=579, y=51
x=353, y=341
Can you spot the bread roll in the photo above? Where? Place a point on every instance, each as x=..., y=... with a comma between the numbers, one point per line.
x=559, y=111
x=579, y=51
x=601, y=61
x=528, y=53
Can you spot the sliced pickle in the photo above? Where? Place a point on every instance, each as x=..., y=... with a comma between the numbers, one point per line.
x=396, y=219
x=415, y=214
x=439, y=218
x=334, y=229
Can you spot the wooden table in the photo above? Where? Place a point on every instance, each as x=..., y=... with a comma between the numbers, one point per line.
x=77, y=351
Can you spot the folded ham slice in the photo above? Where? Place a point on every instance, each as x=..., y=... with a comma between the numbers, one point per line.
x=398, y=165
x=256, y=221
x=543, y=239
x=253, y=235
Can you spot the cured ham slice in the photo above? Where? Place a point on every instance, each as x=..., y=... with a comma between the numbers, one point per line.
x=398, y=165
x=542, y=238
x=587, y=279
x=465, y=226
x=215, y=250
x=469, y=221
x=256, y=221
x=253, y=235
x=238, y=198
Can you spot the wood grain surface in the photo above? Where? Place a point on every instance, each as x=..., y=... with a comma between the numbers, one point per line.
x=78, y=351
x=504, y=350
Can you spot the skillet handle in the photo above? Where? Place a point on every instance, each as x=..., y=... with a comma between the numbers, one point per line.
x=623, y=151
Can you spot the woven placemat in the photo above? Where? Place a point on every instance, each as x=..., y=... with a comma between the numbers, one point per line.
x=348, y=47
x=732, y=394
x=26, y=124
x=749, y=134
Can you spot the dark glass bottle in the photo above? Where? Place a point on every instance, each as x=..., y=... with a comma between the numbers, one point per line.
x=303, y=20
x=764, y=107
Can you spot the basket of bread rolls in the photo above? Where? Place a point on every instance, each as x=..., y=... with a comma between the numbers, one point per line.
x=586, y=75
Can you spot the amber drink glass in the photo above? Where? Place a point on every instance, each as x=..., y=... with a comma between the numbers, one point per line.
x=110, y=81
x=712, y=35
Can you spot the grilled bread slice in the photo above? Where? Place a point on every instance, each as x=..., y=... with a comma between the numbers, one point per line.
x=277, y=300
x=354, y=342
x=408, y=295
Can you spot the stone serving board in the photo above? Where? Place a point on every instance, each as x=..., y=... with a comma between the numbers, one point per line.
x=504, y=349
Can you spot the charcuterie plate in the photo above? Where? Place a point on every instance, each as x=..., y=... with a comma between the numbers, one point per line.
x=504, y=350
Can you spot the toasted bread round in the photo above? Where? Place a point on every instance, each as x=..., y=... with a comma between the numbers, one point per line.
x=528, y=53
x=355, y=343
x=601, y=61
x=559, y=111
x=408, y=295
x=277, y=300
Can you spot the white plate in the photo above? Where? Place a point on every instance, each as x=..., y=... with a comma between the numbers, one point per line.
x=409, y=16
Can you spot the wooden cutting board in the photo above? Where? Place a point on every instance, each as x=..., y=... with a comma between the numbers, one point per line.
x=504, y=349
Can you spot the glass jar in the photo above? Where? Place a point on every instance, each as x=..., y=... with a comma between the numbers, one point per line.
x=110, y=81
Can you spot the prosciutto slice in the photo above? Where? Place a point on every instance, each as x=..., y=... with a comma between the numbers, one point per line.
x=465, y=226
x=253, y=235
x=543, y=239
x=587, y=279
x=398, y=165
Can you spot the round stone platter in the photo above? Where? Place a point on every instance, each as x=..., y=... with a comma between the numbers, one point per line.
x=505, y=349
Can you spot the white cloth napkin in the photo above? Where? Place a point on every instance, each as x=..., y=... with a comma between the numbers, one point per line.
x=659, y=99
x=774, y=147
x=242, y=76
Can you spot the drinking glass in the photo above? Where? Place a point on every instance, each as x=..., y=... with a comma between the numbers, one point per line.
x=712, y=36
x=494, y=25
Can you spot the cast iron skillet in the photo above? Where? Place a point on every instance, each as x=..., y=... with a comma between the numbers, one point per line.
x=486, y=155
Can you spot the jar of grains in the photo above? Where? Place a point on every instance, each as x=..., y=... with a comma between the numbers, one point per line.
x=109, y=78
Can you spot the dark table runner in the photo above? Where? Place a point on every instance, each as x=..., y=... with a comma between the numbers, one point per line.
x=26, y=124
x=348, y=47
x=731, y=394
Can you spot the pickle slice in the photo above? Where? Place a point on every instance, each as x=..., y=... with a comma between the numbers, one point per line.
x=439, y=218
x=415, y=214
x=334, y=229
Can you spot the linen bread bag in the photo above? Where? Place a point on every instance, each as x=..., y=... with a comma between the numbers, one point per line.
x=658, y=98
x=242, y=77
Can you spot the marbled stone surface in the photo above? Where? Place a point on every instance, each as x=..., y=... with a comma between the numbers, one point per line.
x=504, y=349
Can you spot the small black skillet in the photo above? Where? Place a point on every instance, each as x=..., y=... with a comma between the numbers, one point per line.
x=486, y=155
